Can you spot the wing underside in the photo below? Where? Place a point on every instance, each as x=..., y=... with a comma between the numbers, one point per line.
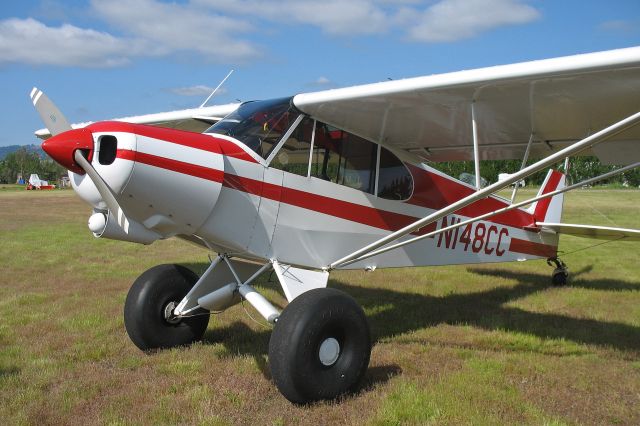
x=556, y=101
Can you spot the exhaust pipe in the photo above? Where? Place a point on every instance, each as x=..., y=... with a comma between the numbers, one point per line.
x=106, y=226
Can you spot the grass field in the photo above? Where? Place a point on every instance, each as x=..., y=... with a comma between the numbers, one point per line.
x=486, y=344
x=9, y=187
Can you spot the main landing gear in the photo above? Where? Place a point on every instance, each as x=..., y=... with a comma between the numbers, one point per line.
x=320, y=345
x=560, y=274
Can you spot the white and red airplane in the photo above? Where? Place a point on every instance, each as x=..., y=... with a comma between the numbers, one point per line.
x=341, y=178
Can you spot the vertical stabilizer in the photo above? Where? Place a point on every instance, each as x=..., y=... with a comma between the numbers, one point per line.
x=550, y=209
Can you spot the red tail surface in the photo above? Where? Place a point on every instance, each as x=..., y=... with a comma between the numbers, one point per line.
x=550, y=209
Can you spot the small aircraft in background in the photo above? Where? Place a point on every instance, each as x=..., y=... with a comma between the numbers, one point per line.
x=36, y=183
x=341, y=179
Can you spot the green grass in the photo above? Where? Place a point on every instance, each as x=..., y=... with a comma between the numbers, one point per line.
x=8, y=187
x=478, y=344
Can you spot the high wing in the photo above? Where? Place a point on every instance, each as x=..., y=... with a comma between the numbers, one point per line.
x=592, y=231
x=554, y=102
x=194, y=119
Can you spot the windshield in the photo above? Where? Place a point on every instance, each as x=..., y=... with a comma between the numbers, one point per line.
x=258, y=124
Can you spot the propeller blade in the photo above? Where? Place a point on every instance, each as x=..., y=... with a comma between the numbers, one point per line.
x=49, y=112
x=103, y=189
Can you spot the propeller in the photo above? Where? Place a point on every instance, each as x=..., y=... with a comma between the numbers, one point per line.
x=53, y=119
x=68, y=147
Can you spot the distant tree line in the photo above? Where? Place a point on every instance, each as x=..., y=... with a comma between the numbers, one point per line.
x=580, y=168
x=26, y=162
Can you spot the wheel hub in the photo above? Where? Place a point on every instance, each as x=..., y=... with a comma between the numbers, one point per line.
x=168, y=313
x=329, y=351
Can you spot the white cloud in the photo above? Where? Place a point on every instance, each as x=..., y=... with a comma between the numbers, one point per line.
x=441, y=21
x=151, y=28
x=336, y=17
x=198, y=90
x=31, y=42
x=172, y=28
x=451, y=20
x=321, y=82
x=218, y=30
x=339, y=17
x=619, y=26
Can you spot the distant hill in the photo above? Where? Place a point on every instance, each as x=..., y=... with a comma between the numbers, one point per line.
x=6, y=150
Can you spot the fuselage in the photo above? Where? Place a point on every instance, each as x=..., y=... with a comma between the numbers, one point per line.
x=216, y=190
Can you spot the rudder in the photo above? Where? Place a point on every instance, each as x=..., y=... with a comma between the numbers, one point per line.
x=550, y=209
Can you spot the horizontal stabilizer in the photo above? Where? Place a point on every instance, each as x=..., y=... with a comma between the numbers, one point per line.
x=591, y=231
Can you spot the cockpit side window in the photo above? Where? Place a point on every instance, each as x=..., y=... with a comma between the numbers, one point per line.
x=344, y=158
x=394, y=179
x=260, y=125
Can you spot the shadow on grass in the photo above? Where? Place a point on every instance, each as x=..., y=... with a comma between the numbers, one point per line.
x=9, y=371
x=239, y=339
x=401, y=312
x=398, y=312
x=574, y=279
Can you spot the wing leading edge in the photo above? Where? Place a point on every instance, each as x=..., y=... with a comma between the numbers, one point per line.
x=557, y=100
x=194, y=119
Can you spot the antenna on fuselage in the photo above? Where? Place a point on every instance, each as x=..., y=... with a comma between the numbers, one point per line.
x=216, y=89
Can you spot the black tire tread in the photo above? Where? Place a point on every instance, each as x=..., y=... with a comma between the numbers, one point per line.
x=142, y=311
x=302, y=315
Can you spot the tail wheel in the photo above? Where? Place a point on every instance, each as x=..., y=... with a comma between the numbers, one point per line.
x=560, y=277
x=320, y=346
x=148, y=310
x=560, y=274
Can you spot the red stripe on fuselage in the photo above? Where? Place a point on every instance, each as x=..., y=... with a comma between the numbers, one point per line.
x=173, y=165
x=371, y=216
x=365, y=215
x=195, y=140
x=531, y=248
x=358, y=213
x=432, y=191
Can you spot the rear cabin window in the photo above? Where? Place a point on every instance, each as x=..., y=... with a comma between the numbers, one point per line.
x=344, y=158
x=394, y=179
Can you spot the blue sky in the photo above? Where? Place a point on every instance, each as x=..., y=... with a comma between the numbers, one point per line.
x=99, y=59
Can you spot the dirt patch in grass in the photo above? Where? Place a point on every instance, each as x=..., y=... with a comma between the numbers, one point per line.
x=23, y=209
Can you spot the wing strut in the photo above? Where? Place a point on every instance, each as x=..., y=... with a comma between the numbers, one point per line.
x=571, y=150
x=525, y=158
x=476, y=148
x=495, y=212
